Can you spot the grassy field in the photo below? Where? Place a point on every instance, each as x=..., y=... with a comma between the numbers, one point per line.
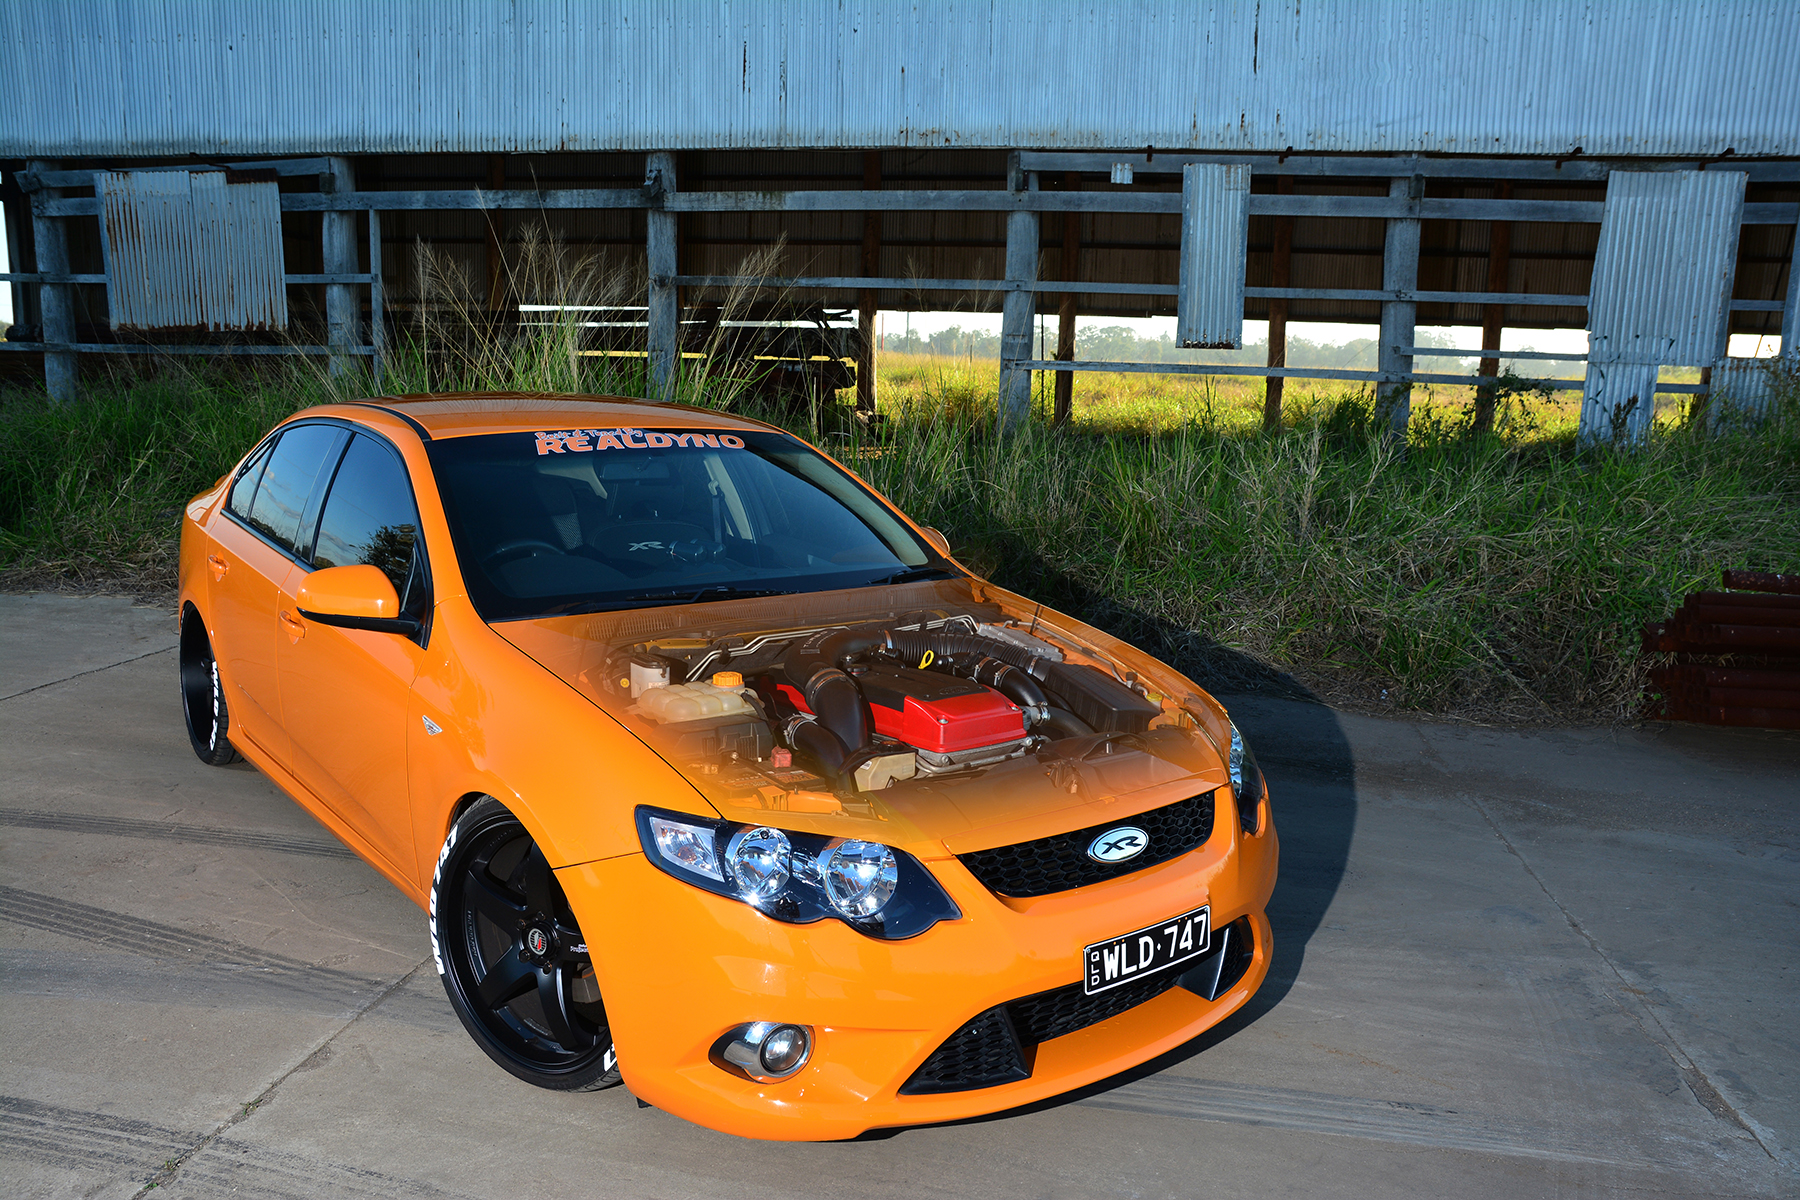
x=1492, y=577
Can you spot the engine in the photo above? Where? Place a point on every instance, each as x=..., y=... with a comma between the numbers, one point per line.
x=865, y=708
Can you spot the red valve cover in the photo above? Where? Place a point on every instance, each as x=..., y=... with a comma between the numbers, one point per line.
x=932, y=711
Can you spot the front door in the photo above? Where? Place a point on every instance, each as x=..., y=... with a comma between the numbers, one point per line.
x=344, y=692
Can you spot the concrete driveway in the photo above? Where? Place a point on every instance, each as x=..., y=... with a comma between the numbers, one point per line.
x=1553, y=963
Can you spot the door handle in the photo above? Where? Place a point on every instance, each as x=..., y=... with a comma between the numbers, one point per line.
x=219, y=566
x=296, y=628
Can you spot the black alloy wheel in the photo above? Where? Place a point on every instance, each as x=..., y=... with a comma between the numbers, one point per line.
x=512, y=958
x=202, y=698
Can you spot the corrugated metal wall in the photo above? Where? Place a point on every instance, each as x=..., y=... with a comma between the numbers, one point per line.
x=1614, y=77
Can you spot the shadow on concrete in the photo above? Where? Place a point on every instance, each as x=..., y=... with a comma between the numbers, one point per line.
x=1303, y=753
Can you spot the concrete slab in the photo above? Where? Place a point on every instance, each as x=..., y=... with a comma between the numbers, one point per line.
x=1539, y=963
x=49, y=637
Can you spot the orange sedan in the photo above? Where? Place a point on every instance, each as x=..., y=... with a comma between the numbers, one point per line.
x=715, y=773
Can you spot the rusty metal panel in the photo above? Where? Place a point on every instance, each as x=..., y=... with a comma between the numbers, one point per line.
x=1215, y=241
x=187, y=250
x=1684, y=78
x=1664, y=266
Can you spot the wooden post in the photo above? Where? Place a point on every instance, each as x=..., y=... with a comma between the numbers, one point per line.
x=496, y=263
x=1399, y=318
x=342, y=307
x=865, y=309
x=1493, y=316
x=1790, y=310
x=1019, y=306
x=377, y=301
x=1064, y=406
x=1280, y=260
x=664, y=316
x=56, y=301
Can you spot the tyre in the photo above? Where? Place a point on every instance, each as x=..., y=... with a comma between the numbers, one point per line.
x=513, y=961
x=202, y=698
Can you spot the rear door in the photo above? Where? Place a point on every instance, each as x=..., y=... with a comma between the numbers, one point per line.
x=250, y=555
x=344, y=692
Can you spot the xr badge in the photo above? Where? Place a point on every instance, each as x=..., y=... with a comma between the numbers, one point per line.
x=1117, y=845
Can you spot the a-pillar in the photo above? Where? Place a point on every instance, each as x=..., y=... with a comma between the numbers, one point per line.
x=1020, y=306
x=56, y=301
x=663, y=319
x=338, y=238
x=1399, y=273
x=865, y=309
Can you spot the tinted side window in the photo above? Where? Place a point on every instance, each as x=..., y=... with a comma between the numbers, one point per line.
x=289, y=479
x=244, y=490
x=369, y=516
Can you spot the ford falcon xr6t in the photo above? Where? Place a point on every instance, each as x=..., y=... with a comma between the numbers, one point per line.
x=716, y=774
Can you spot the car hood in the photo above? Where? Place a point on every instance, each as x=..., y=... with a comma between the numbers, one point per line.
x=1069, y=785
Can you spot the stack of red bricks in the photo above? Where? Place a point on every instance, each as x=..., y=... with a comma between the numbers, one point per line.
x=1737, y=655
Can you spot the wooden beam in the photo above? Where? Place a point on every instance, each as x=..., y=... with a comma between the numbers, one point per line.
x=1399, y=273
x=1018, y=308
x=343, y=310
x=1063, y=406
x=664, y=315
x=496, y=264
x=56, y=301
x=1280, y=258
x=1493, y=317
x=865, y=309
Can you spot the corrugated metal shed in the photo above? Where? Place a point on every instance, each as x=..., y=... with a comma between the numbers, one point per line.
x=1663, y=269
x=188, y=250
x=1614, y=77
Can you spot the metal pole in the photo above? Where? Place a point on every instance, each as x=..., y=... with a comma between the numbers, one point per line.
x=1399, y=272
x=56, y=301
x=1280, y=261
x=1063, y=407
x=865, y=311
x=664, y=319
x=338, y=233
x=1018, y=308
x=1493, y=317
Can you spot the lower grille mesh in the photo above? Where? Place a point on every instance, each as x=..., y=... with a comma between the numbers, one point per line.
x=992, y=1048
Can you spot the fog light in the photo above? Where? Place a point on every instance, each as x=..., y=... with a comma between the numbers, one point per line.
x=764, y=1051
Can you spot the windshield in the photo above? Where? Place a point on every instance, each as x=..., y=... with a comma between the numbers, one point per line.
x=584, y=520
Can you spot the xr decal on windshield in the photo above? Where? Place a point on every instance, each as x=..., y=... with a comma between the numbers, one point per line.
x=585, y=441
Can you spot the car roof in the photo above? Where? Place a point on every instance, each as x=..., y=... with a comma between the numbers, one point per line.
x=466, y=414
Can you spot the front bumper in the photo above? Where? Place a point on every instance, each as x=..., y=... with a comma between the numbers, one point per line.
x=679, y=966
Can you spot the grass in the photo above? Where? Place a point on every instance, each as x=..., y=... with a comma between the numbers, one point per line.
x=1486, y=577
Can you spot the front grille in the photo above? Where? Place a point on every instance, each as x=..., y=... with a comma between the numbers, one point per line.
x=1060, y=863
x=992, y=1049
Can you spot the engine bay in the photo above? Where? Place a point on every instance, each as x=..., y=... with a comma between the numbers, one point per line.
x=837, y=712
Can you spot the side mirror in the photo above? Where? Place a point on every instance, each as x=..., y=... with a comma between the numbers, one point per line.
x=938, y=540
x=358, y=597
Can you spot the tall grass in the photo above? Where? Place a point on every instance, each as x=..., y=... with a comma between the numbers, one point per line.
x=1487, y=576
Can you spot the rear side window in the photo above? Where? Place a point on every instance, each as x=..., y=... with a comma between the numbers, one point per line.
x=243, y=492
x=290, y=479
x=369, y=516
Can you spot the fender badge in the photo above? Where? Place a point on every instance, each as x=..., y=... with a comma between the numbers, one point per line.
x=432, y=727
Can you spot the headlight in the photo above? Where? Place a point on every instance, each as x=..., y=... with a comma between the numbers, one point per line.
x=799, y=877
x=1246, y=782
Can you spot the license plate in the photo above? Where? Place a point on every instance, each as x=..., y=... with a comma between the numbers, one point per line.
x=1154, y=948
